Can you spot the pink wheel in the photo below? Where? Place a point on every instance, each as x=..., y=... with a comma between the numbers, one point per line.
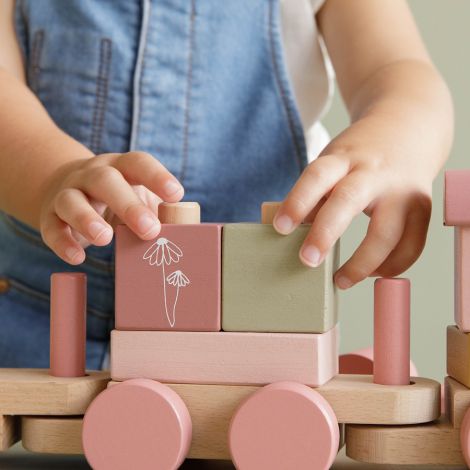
x=362, y=362
x=465, y=438
x=140, y=424
x=282, y=426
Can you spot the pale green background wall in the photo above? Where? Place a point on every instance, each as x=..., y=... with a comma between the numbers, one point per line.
x=444, y=25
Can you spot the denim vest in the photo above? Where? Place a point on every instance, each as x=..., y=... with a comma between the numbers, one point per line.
x=201, y=85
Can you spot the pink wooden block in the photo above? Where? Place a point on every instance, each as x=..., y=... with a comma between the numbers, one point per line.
x=462, y=278
x=170, y=283
x=68, y=325
x=392, y=331
x=224, y=357
x=457, y=197
x=362, y=362
x=357, y=362
x=284, y=426
x=138, y=424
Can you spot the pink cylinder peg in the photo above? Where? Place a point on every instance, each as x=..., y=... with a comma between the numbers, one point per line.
x=68, y=325
x=392, y=331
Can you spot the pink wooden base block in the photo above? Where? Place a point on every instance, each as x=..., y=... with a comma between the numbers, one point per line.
x=138, y=424
x=462, y=277
x=284, y=425
x=170, y=283
x=465, y=438
x=224, y=357
x=457, y=197
x=362, y=362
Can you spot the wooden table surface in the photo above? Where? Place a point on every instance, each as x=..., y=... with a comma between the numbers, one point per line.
x=18, y=459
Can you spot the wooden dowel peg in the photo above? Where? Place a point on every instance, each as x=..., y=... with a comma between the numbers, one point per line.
x=179, y=213
x=268, y=211
x=392, y=331
x=68, y=325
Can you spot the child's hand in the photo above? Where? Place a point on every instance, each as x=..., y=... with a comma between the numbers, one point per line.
x=79, y=194
x=363, y=170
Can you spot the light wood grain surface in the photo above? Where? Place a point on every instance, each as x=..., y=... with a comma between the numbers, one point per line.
x=35, y=392
x=18, y=459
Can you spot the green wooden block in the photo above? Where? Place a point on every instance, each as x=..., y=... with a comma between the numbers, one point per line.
x=265, y=287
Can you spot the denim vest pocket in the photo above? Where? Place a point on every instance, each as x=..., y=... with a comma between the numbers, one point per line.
x=74, y=89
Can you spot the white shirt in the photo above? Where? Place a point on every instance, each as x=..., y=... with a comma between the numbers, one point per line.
x=309, y=68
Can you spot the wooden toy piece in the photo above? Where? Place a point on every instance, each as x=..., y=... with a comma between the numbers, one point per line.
x=179, y=213
x=265, y=286
x=354, y=399
x=218, y=358
x=457, y=197
x=137, y=424
x=35, y=392
x=362, y=362
x=392, y=331
x=52, y=434
x=268, y=211
x=458, y=355
x=68, y=324
x=462, y=277
x=9, y=432
x=457, y=401
x=465, y=438
x=170, y=283
x=284, y=425
x=426, y=444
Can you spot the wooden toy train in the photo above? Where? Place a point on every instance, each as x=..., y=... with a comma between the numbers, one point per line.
x=226, y=347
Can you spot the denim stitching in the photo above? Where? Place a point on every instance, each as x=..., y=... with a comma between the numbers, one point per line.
x=282, y=90
x=27, y=290
x=138, y=74
x=90, y=260
x=35, y=68
x=102, y=86
x=187, y=99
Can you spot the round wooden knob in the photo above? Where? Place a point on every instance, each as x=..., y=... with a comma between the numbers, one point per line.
x=179, y=213
x=268, y=211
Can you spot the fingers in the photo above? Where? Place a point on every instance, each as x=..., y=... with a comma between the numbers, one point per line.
x=107, y=184
x=316, y=180
x=384, y=232
x=74, y=208
x=58, y=237
x=350, y=197
x=412, y=242
x=141, y=168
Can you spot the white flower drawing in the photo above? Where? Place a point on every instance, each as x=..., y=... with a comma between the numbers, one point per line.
x=164, y=252
x=178, y=278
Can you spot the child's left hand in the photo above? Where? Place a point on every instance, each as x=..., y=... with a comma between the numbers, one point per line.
x=385, y=162
x=364, y=169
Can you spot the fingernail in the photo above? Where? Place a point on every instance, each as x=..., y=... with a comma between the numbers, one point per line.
x=97, y=229
x=72, y=254
x=343, y=282
x=311, y=255
x=147, y=224
x=171, y=188
x=283, y=224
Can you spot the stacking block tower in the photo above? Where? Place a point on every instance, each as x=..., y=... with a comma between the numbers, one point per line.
x=457, y=384
x=176, y=293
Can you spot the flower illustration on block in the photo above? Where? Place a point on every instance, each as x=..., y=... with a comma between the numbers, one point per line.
x=164, y=252
x=178, y=279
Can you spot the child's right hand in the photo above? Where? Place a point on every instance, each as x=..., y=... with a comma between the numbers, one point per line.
x=81, y=199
